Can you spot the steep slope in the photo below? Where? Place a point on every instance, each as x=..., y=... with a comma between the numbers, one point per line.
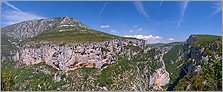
x=202, y=66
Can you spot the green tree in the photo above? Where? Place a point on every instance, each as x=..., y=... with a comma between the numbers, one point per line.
x=7, y=80
x=198, y=83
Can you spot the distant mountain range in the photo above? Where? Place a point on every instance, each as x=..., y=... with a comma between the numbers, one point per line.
x=64, y=54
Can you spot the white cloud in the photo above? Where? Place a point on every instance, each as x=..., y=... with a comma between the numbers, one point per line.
x=140, y=8
x=16, y=15
x=149, y=38
x=113, y=31
x=184, y=6
x=171, y=39
x=104, y=26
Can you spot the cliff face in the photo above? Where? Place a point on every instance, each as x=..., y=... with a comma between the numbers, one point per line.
x=69, y=57
x=202, y=64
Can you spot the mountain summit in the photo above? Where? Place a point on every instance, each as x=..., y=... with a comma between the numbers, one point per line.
x=31, y=28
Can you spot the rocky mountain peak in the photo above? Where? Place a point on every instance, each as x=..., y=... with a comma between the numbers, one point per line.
x=31, y=28
x=67, y=21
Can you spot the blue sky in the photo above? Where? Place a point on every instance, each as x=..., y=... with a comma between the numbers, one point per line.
x=153, y=21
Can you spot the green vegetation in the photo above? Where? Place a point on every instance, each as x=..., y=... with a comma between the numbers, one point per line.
x=133, y=48
x=151, y=54
x=73, y=35
x=67, y=36
x=213, y=74
x=7, y=81
x=183, y=84
x=206, y=39
x=198, y=83
x=210, y=75
x=27, y=76
x=171, y=62
x=105, y=79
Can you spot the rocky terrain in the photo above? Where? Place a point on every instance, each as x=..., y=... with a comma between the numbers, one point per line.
x=64, y=54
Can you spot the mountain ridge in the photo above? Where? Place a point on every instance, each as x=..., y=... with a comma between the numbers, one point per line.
x=31, y=28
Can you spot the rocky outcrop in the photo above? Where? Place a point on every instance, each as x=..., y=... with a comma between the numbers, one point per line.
x=69, y=57
x=191, y=39
x=159, y=78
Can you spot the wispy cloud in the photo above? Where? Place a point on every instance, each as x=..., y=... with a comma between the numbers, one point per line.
x=139, y=29
x=161, y=3
x=12, y=6
x=16, y=15
x=104, y=26
x=217, y=8
x=102, y=9
x=136, y=28
x=184, y=6
x=166, y=22
x=140, y=8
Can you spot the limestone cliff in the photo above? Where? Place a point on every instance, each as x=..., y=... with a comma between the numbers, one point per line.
x=69, y=57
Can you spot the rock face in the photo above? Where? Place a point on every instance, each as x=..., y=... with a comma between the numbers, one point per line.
x=70, y=57
x=31, y=28
x=191, y=39
x=160, y=77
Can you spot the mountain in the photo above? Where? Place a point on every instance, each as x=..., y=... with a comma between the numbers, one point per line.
x=64, y=54
x=31, y=28
x=12, y=35
x=156, y=44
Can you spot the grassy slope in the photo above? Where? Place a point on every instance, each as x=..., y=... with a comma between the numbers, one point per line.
x=74, y=35
x=205, y=39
